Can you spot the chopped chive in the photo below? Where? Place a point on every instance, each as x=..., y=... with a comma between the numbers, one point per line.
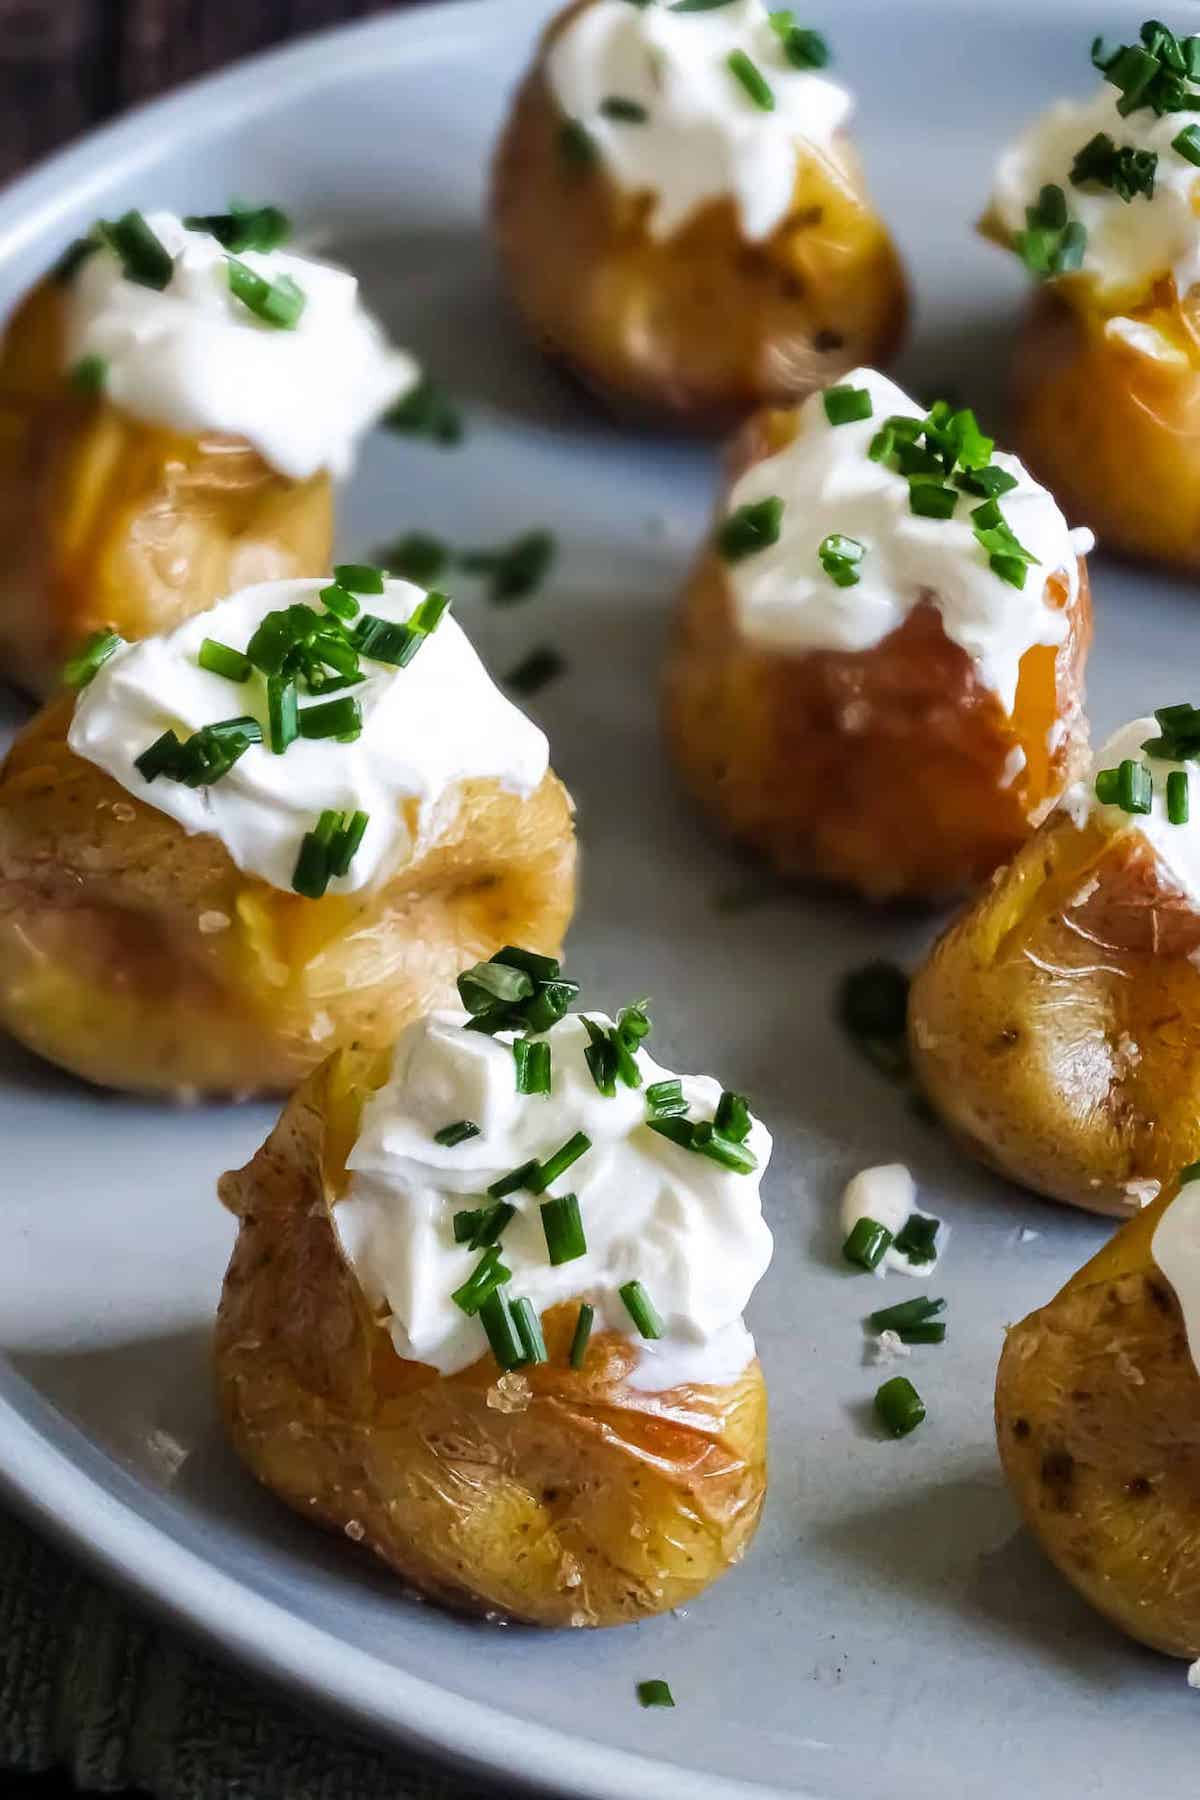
x=483, y=1229
x=428, y=613
x=528, y=962
x=846, y=405
x=550, y=1003
x=90, y=657
x=516, y=570
x=576, y=145
x=907, y=1314
x=1135, y=787
x=1178, y=807
x=277, y=303
x=503, y=1338
x=664, y=1099
x=515, y=1180
x=418, y=556
x=899, y=1406
x=583, y=1331
x=931, y=501
x=1190, y=1173
x=312, y=872
x=73, y=258
x=804, y=49
x=220, y=659
x=261, y=228
x=917, y=1238
x=482, y=987
x=144, y=259
x=988, y=483
x=358, y=578
x=872, y=1002
x=332, y=719
x=529, y=1330
x=732, y=1117
x=159, y=757
x=750, y=529
x=339, y=602
x=458, y=1133
x=640, y=1308
x=466, y=1224
x=840, y=557
x=425, y=411
x=1107, y=787
x=867, y=1244
x=346, y=845
x=489, y=1274
x=625, y=112
x=654, y=1693
x=283, y=712
x=89, y=374
x=687, y=6
x=1187, y=143
x=535, y=671
x=532, y=1059
x=752, y=79
x=601, y=1059
x=564, y=1158
x=704, y=1140
x=563, y=1226
x=932, y=1332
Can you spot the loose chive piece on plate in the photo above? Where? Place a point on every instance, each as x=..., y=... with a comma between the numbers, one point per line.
x=907, y=1314
x=867, y=1244
x=222, y=659
x=750, y=529
x=899, y=1406
x=457, y=1133
x=917, y=1239
x=563, y=1227
x=426, y=412
x=276, y=303
x=845, y=405
x=90, y=657
x=654, y=1693
x=640, y=1308
x=583, y=1331
x=535, y=671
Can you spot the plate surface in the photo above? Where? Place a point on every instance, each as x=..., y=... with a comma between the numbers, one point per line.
x=893, y=1633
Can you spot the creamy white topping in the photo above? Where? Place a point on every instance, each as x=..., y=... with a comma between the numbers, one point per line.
x=192, y=357
x=689, y=1230
x=1175, y=1247
x=425, y=728
x=888, y=1196
x=1176, y=847
x=703, y=137
x=1130, y=244
x=830, y=486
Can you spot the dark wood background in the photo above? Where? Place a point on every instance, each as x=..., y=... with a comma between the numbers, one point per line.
x=66, y=64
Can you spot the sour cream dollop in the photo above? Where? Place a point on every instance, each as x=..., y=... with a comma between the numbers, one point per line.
x=426, y=728
x=1176, y=847
x=830, y=486
x=193, y=358
x=703, y=137
x=1131, y=244
x=689, y=1230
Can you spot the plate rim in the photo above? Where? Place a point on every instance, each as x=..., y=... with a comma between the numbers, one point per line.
x=39, y=1476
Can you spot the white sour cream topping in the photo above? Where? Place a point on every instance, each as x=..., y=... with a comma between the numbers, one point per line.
x=829, y=485
x=888, y=1196
x=690, y=1231
x=703, y=138
x=193, y=358
x=438, y=722
x=1176, y=847
x=1175, y=1247
x=1130, y=244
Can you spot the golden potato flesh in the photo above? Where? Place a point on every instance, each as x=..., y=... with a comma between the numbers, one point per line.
x=549, y=1496
x=1115, y=434
x=107, y=521
x=703, y=326
x=1098, y=1423
x=1056, y=1025
x=887, y=770
x=139, y=957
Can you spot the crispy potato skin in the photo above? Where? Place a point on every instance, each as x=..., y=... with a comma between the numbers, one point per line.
x=108, y=521
x=142, y=958
x=1098, y=1424
x=702, y=328
x=1113, y=434
x=880, y=770
x=561, y=1498
x=1055, y=1026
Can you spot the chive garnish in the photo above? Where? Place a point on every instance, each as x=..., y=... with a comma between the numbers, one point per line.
x=346, y=844
x=458, y=1133
x=340, y=719
x=751, y=78
x=687, y=6
x=202, y=759
x=143, y=257
x=867, y=1244
x=664, y=1099
x=327, y=851
x=488, y=1274
x=1125, y=171
x=840, y=557
x=1180, y=728
x=576, y=145
x=847, y=405
x=89, y=374
x=872, y=1009
x=1187, y=144
x=426, y=412
x=503, y=1338
x=704, y=1140
x=531, y=1057
x=804, y=49
x=277, y=303
x=220, y=659
x=417, y=556
x=529, y=962
x=283, y=712
x=558, y=1164
x=1190, y=1173
x=750, y=529
x=1129, y=786
x=899, y=1406
x=1154, y=73
x=1052, y=243
x=261, y=228
x=918, y=1237
x=73, y=258
x=515, y=1180
x=654, y=1693
x=932, y=1333
x=929, y=500
x=583, y=1331
x=641, y=1310
x=1178, y=804
x=90, y=657
x=483, y=1229
x=907, y=1314
x=516, y=991
x=529, y=1330
x=358, y=578
x=516, y=570
x=563, y=1226
x=535, y=671
x=340, y=602
x=625, y=112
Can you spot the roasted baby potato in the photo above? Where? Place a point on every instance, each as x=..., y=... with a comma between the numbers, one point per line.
x=548, y=1496
x=108, y=521
x=1055, y=1027
x=140, y=957
x=1098, y=1423
x=699, y=327
x=893, y=770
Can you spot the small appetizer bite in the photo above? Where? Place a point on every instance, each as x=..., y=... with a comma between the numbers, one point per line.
x=484, y=1314
x=878, y=675
x=681, y=216
x=174, y=402
x=1056, y=1026
x=1098, y=1423
x=279, y=828
x=1101, y=200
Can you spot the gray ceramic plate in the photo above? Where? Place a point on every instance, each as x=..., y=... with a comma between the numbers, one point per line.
x=893, y=1633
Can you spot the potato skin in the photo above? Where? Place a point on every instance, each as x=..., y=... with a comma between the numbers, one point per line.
x=1055, y=1027
x=559, y=1498
x=880, y=770
x=109, y=521
x=1113, y=434
x=702, y=328
x=142, y=958
x=1098, y=1425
